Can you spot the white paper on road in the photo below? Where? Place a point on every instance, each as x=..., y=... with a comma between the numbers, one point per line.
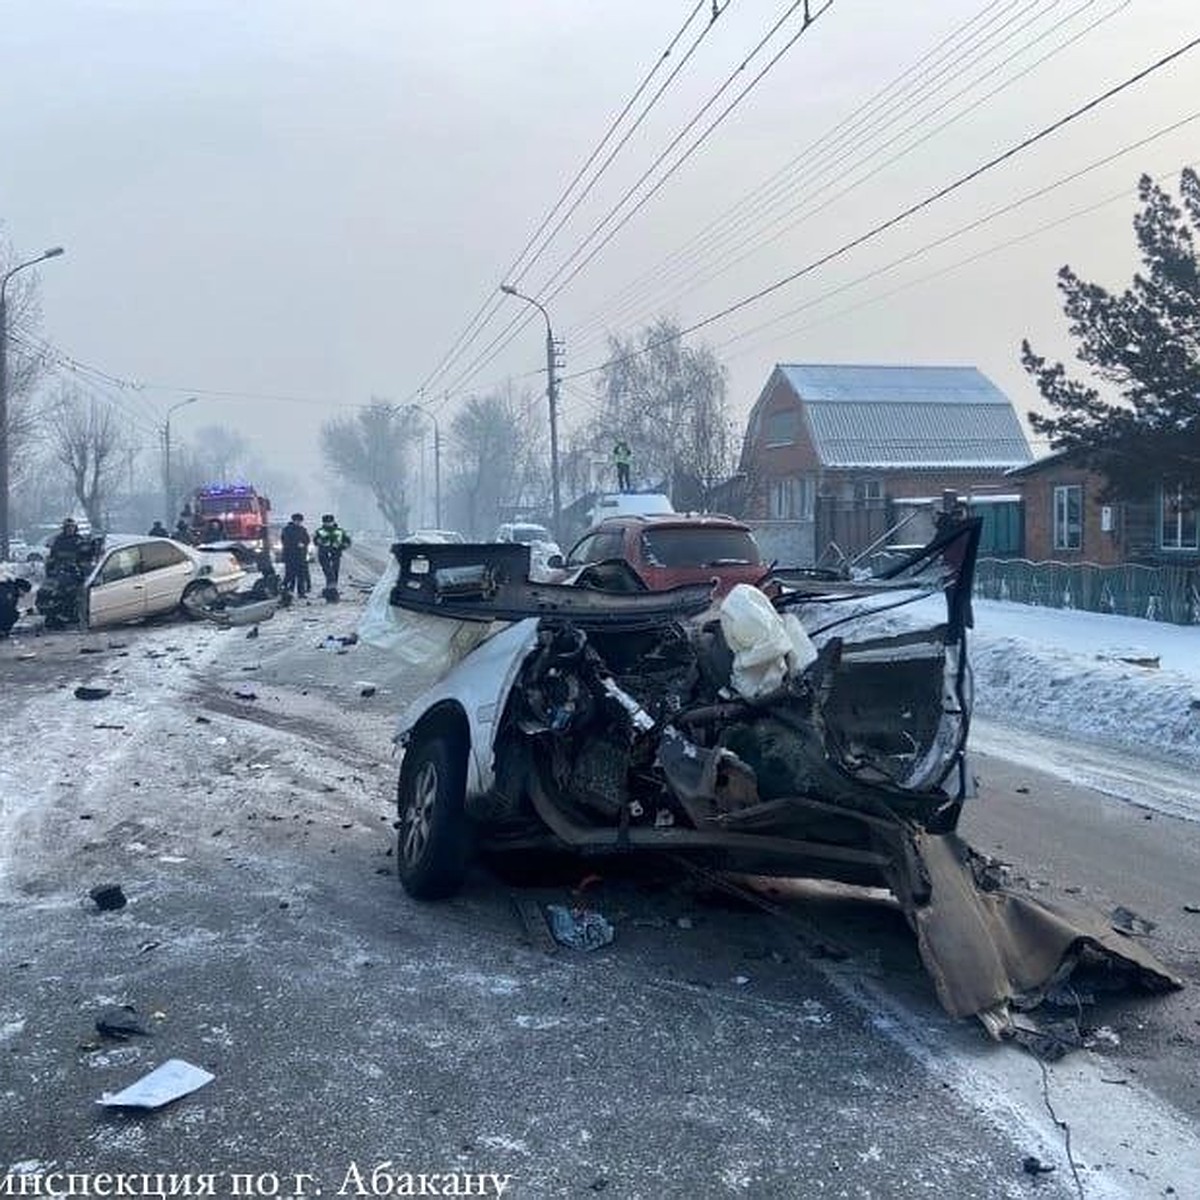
x=175, y=1078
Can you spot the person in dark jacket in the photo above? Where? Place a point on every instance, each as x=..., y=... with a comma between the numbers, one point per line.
x=11, y=590
x=331, y=539
x=68, y=545
x=295, y=540
x=158, y=529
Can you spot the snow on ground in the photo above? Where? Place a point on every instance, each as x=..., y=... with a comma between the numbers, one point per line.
x=1077, y=675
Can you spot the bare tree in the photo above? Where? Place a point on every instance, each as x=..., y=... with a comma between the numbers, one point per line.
x=86, y=438
x=498, y=465
x=667, y=400
x=220, y=453
x=27, y=362
x=371, y=449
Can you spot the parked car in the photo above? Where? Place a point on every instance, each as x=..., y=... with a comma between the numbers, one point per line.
x=437, y=537
x=20, y=551
x=526, y=532
x=545, y=552
x=794, y=736
x=136, y=577
x=671, y=550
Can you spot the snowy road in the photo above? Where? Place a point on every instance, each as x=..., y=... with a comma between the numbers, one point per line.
x=705, y=1053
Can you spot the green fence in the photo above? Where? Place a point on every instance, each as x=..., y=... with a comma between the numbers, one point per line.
x=1155, y=593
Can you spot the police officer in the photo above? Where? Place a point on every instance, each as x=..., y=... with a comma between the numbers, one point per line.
x=295, y=541
x=331, y=539
x=158, y=529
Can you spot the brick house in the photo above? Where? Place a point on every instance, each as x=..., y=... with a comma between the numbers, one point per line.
x=1067, y=521
x=839, y=454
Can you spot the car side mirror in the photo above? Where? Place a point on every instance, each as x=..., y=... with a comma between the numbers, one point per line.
x=556, y=561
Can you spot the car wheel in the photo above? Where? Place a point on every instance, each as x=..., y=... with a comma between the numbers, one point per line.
x=197, y=596
x=433, y=842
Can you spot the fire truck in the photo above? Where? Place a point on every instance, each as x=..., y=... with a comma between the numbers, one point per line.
x=233, y=516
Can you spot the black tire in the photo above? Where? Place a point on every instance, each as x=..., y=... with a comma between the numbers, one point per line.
x=433, y=843
x=197, y=595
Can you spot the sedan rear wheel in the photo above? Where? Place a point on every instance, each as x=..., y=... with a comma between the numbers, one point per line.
x=433, y=844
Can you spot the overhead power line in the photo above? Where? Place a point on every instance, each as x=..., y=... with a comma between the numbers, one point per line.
x=971, y=226
x=490, y=304
x=957, y=265
x=902, y=216
x=809, y=19
x=519, y=322
x=746, y=243
x=778, y=184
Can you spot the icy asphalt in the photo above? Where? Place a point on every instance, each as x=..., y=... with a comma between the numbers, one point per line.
x=708, y=1052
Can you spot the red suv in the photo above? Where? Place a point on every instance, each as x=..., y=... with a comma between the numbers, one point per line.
x=670, y=550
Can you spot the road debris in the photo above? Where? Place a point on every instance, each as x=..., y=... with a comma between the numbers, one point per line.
x=121, y=1023
x=1032, y=1165
x=170, y=1081
x=1125, y=920
x=91, y=693
x=108, y=897
x=579, y=928
x=533, y=922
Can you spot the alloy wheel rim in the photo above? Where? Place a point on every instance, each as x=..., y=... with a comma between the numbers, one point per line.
x=419, y=812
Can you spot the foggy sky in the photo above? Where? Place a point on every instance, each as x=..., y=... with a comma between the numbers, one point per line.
x=309, y=198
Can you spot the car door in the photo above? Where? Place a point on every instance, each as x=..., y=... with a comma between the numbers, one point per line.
x=166, y=571
x=116, y=592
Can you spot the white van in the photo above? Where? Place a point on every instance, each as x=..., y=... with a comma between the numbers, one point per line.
x=630, y=504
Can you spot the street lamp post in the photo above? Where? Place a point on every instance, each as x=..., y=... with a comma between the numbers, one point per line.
x=170, y=497
x=437, y=464
x=552, y=398
x=53, y=252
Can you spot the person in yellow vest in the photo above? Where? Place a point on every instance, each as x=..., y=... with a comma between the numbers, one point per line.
x=330, y=540
x=622, y=457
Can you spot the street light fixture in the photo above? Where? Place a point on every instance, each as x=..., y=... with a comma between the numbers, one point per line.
x=552, y=398
x=170, y=497
x=52, y=252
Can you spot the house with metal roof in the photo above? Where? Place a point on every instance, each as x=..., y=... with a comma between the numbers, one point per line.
x=839, y=454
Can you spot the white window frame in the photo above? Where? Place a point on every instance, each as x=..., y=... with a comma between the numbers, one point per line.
x=1061, y=515
x=1175, y=515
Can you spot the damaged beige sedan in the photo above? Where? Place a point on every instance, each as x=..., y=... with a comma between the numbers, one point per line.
x=772, y=735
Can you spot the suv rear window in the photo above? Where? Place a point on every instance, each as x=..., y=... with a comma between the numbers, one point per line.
x=699, y=547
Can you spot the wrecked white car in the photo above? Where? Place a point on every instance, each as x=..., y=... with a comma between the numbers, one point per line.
x=763, y=737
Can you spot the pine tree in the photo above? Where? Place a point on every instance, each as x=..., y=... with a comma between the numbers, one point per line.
x=1136, y=417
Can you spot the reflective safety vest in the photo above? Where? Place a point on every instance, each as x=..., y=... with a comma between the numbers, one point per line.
x=331, y=537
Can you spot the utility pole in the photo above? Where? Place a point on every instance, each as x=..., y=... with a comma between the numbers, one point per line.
x=437, y=468
x=169, y=497
x=554, y=350
x=53, y=252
